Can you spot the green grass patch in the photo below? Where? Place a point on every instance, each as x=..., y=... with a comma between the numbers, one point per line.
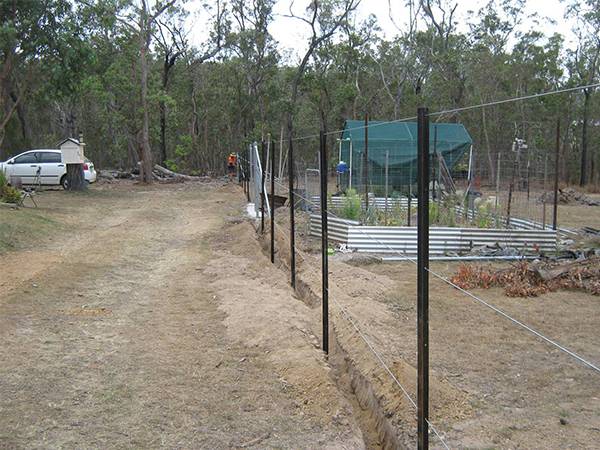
x=24, y=228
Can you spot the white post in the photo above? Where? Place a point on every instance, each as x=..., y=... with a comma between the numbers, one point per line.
x=497, y=190
x=387, y=163
x=339, y=175
x=350, y=170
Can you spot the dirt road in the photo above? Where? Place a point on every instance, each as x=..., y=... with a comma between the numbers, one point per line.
x=152, y=319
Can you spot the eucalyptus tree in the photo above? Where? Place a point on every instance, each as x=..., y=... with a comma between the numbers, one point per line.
x=139, y=19
x=584, y=65
x=173, y=45
x=255, y=51
x=38, y=41
x=323, y=18
x=172, y=42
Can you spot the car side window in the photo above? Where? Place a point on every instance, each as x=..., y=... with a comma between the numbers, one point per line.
x=50, y=157
x=29, y=158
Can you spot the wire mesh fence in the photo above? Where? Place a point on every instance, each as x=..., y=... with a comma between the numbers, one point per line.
x=377, y=185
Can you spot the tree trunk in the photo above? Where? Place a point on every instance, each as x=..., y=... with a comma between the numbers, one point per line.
x=489, y=149
x=75, y=177
x=163, y=132
x=146, y=152
x=21, y=114
x=583, y=179
x=168, y=63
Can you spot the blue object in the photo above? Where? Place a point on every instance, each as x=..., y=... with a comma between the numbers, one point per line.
x=342, y=167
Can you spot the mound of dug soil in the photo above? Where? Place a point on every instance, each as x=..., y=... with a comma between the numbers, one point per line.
x=568, y=196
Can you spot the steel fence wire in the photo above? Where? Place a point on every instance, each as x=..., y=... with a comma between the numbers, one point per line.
x=486, y=187
x=355, y=325
x=515, y=321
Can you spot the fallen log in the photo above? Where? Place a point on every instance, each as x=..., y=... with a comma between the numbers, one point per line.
x=170, y=173
x=551, y=273
x=9, y=205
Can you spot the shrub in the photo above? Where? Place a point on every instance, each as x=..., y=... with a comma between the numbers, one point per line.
x=10, y=195
x=351, y=205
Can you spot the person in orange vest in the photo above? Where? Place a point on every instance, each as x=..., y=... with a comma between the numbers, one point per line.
x=231, y=165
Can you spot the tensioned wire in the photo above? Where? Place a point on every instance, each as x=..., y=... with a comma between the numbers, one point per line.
x=348, y=317
x=456, y=110
x=473, y=296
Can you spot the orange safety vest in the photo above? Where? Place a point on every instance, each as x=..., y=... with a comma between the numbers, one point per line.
x=231, y=160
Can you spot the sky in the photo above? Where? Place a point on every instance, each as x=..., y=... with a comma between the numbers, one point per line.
x=292, y=34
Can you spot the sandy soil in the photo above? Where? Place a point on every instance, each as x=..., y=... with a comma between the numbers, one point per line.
x=154, y=320
x=494, y=385
x=571, y=216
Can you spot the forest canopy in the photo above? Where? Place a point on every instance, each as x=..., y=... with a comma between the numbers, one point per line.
x=125, y=74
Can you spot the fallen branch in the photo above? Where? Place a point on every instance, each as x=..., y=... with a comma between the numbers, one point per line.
x=530, y=280
x=172, y=174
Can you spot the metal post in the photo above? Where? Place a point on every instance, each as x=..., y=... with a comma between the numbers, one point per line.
x=497, y=190
x=292, y=223
x=545, y=192
x=350, y=168
x=272, y=201
x=555, y=206
x=366, y=162
x=432, y=173
x=511, y=187
x=423, y=280
x=262, y=186
x=409, y=194
x=324, y=242
x=438, y=193
x=387, y=165
x=248, y=170
x=527, y=180
x=339, y=175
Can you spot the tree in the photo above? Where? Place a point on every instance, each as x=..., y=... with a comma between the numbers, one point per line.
x=140, y=17
x=584, y=65
x=172, y=41
x=324, y=18
x=34, y=39
x=256, y=51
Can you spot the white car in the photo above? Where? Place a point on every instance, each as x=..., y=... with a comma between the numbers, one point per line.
x=52, y=170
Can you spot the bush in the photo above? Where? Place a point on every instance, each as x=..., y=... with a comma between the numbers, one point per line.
x=351, y=205
x=10, y=195
x=3, y=182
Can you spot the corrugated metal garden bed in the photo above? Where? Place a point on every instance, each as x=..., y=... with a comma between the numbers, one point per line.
x=442, y=240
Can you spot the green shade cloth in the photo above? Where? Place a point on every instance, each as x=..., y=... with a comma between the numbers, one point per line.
x=399, y=140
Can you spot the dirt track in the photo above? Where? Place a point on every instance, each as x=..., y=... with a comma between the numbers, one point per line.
x=130, y=329
x=151, y=317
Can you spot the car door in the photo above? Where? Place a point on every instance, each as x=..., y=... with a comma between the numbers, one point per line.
x=25, y=166
x=52, y=167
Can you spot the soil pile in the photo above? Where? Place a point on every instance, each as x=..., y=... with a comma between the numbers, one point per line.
x=568, y=196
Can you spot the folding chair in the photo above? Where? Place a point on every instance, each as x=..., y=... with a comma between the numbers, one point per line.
x=30, y=191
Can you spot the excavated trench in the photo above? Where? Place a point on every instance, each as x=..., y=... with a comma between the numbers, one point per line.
x=377, y=431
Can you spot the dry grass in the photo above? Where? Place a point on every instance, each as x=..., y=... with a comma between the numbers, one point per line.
x=23, y=227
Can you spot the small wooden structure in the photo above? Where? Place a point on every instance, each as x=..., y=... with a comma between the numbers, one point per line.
x=72, y=151
x=73, y=156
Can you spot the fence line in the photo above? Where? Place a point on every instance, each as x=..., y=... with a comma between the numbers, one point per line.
x=424, y=169
x=348, y=317
x=354, y=324
x=490, y=306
